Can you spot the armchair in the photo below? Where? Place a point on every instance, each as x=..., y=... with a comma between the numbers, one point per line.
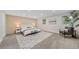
x=68, y=31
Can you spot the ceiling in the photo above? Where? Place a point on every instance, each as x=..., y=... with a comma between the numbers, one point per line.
x=36, y=13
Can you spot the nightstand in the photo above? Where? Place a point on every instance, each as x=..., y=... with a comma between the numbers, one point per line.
x=18, y=30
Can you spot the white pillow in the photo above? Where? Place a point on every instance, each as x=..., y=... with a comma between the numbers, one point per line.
x=26, y=32
x=30, y=31
x=25, y=27
x=37, y=29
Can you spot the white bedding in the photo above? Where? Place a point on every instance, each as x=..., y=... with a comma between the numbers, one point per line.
x=25, y=30
x=31, y=40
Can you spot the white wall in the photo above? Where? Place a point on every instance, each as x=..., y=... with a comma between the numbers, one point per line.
x=2, y=25
x=51, y=27
x=54, y=27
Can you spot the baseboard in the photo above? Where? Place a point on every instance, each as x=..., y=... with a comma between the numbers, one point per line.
x=10, y=34
x=51, y=32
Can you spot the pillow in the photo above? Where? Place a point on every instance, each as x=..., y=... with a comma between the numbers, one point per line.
x=36, y=29
x=26, y=32
x=26, y=27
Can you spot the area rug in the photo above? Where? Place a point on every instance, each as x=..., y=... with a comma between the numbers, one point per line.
x=31, y=40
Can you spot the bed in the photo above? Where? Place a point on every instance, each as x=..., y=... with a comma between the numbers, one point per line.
x=28, y=41
x=29, y=30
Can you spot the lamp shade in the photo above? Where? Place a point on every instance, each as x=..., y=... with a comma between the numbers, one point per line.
x=17, y=25
x=33, y=24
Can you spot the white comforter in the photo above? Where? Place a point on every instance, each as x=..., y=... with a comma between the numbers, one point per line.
x=26, y=32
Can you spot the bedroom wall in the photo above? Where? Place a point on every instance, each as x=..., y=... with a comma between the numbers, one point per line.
x=2, y=25
x=51, y=27
x=11, y=22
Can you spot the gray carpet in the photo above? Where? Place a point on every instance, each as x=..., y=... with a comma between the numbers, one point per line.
x=9, y=42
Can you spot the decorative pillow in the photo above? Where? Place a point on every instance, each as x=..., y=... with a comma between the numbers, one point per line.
x=25, y=27
x=36, y=29
x=26, y=32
